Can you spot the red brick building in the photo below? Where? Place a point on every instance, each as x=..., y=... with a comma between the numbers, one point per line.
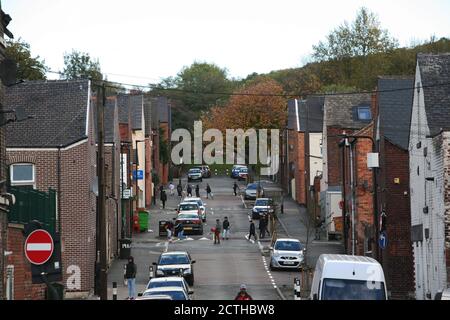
x=56, y=149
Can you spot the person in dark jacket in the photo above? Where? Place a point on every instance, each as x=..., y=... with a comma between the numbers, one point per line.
x=197, y=191
x=217, y=232
x=163, y=198
x=226, y=228
x=180, y=190
x=262, y=226
x=130, y=276
x=252, y=231
x=189, y=191
x=235, y=187
x=208, y=191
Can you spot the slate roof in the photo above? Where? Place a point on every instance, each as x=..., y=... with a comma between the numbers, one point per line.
x=292, y=116
x=339, y=110
x=435, y=70
x=59, y=110
x=395, y=108
x=109, y=121
x=130, y=106
x=314, y=114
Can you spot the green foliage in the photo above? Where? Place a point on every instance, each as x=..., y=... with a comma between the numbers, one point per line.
x=28, y=67
x=80, y=65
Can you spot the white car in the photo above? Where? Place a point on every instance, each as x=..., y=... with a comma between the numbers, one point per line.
x=200, y=203
x=189, y=207
x=177, y=263
x=195, y=174
x=169, y=282
x=176, y=293
x=287, y=253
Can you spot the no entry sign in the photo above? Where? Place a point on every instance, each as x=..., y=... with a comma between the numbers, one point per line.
x=39, y=247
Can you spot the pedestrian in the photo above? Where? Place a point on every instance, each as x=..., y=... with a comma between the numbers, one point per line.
x=318, y=228
x=169, y=232
x=179, y=230
x=171, y=188
x=266, y=218
x=208, y=191
x=130, y=276
x=163, y=198
x=226, y=228
x=235, y=187
x=262, y=226
x=243, y=294
x=252, y=231
x=180, y=190
x=217, y=232
x=161, y=188
x=197, y=191
x=189, y=191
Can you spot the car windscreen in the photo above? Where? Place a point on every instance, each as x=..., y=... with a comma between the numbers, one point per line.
x=173, y=259
x=189, y=206
x=346, y=289
x=187, y=216
x=252, y=186
x=263, y=203
x=288, y=246
x=195, y=171
x=161, y=284
x=175, y=295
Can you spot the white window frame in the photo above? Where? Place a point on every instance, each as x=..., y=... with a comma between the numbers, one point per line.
x=23, y=182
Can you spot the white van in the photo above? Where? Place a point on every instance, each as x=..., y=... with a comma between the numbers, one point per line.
x=344, y=277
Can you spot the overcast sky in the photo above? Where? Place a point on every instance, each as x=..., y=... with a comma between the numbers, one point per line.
x=156, y=38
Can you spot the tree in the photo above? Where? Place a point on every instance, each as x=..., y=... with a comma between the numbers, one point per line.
x=28, y=67
x=362, y=38
x=80, y=65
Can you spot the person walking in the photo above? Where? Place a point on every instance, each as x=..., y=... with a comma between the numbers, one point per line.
x=189, y=191
x=262, y=227
x=179, y=231
x=197, y=191
x=169, y=231
x=180, y=190
x=252, y=231
x=226, y=228
x=208, y=191
x=235, y=187
x=163, y=198
x=130, y=276
x=243, y=294
x=217, y=232
x=171, y=188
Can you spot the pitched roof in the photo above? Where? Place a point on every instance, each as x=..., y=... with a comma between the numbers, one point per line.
x=59, y=110
x=339, y=110
x=435, y=71
x=292, y=123
x=110, y=124
x=130, y=107
x=313, y=111
x=395, y=107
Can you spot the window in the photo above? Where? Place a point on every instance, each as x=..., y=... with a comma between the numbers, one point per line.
x=23, y=175
x=364, y=113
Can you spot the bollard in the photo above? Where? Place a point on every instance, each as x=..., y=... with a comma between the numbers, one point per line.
x=150, y=272
x=114, y=290
x=124, y=274
x=297, y=289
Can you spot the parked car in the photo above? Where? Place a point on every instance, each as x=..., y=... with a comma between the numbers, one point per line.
x=235, y=170
x=191, y=222
x=262, y=206
x=169, y=282
x=251, y=191
x=345, y=277
x=200, y=203
x=154, y=297
x=195, y=174
x=243, y=174
x=175, y=293
x=287, y=254
x=188, y=207
x=206, y=172
x=176, y=263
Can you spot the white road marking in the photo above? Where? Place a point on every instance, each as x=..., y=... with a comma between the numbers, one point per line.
x=166, y=246
x=204, y=239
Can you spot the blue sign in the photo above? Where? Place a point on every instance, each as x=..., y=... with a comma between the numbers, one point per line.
x=138, y=175
x=383, y=241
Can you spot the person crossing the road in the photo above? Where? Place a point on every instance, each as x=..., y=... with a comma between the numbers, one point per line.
x=180, y=190
x=243, y=294
x=189, y=191
x=217, y=232
x=262, y=226
x=197, y=191
x=171, y=188
x=208, y=191
x=226, y=228
x=252, y=231
x=163, y=198
x=235, y=187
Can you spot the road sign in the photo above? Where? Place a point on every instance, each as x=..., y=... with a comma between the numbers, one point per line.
x=138, y=174
x=383, y=241
x=39, y=247
x=126, y=194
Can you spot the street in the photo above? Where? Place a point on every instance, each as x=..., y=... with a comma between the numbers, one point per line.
x=220, y=269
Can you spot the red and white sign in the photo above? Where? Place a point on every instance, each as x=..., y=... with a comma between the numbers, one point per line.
x=39, y=247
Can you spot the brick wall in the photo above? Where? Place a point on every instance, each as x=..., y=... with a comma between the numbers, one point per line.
x=23, y=287
x=148, y=174
x=397, y=259
x=300, y=168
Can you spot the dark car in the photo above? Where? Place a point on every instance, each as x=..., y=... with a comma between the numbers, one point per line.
x=191, y=222
x=235, y=170
x=177, y=263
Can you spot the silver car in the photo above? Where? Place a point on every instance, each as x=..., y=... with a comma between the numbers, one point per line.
x=251, y=192
x=287, y=254
x=195, y=174
x=200, y=203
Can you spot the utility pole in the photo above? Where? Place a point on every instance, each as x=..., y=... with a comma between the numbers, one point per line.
x=307, y=162
x=352, y=193
x=101, y=231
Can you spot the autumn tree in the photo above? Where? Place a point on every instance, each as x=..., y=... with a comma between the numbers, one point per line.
x=28, y=67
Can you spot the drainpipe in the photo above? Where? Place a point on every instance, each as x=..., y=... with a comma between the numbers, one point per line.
x=59, y=189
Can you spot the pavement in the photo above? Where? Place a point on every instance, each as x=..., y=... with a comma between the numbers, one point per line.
x=220, y=269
